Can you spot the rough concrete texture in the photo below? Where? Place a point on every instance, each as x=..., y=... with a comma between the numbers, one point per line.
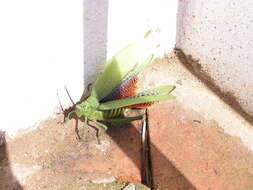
x=219, y=34
x=194, y=95
x=197, y=142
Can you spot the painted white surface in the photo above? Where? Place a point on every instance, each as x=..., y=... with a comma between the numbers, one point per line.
x=219, y=34
x=45, y=45
x=41, y=50
x=95, y=38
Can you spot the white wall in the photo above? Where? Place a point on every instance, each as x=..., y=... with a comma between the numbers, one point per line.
x=45, y=45
x=41, y=50
x=220, y=35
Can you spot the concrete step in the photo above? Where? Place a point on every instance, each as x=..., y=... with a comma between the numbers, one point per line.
x=197, y=142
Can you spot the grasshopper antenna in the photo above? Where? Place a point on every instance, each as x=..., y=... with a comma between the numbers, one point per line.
x=69, y=95
x=59, y=101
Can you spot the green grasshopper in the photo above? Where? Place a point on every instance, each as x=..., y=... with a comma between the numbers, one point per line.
x=114, y=92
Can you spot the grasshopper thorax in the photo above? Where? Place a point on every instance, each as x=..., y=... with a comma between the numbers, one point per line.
x=87, y=108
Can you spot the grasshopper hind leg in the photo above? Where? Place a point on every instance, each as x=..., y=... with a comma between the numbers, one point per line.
x=101, y=130
x=124, y=120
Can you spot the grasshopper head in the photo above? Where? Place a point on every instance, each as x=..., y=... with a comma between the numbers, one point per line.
x=87, y=107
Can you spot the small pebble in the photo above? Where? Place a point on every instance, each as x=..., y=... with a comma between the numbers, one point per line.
x=130, y=186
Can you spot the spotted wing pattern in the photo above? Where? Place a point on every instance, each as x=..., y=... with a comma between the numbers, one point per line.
x=127, y=88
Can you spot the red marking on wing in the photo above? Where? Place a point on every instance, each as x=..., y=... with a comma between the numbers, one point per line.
x=140, y=106
x=128, y=89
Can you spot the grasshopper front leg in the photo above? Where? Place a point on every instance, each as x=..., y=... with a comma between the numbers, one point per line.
x=85, y=128
x=77, y=131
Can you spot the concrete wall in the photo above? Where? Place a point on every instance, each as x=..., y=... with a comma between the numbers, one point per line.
x=45, y=45
x=219, y=34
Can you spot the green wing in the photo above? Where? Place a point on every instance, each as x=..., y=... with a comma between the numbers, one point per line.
x=124, y=85
x=132, y=101
x=162, y=94
x=117, y=68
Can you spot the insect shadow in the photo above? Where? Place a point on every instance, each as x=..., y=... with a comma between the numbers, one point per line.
x=128, y=138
